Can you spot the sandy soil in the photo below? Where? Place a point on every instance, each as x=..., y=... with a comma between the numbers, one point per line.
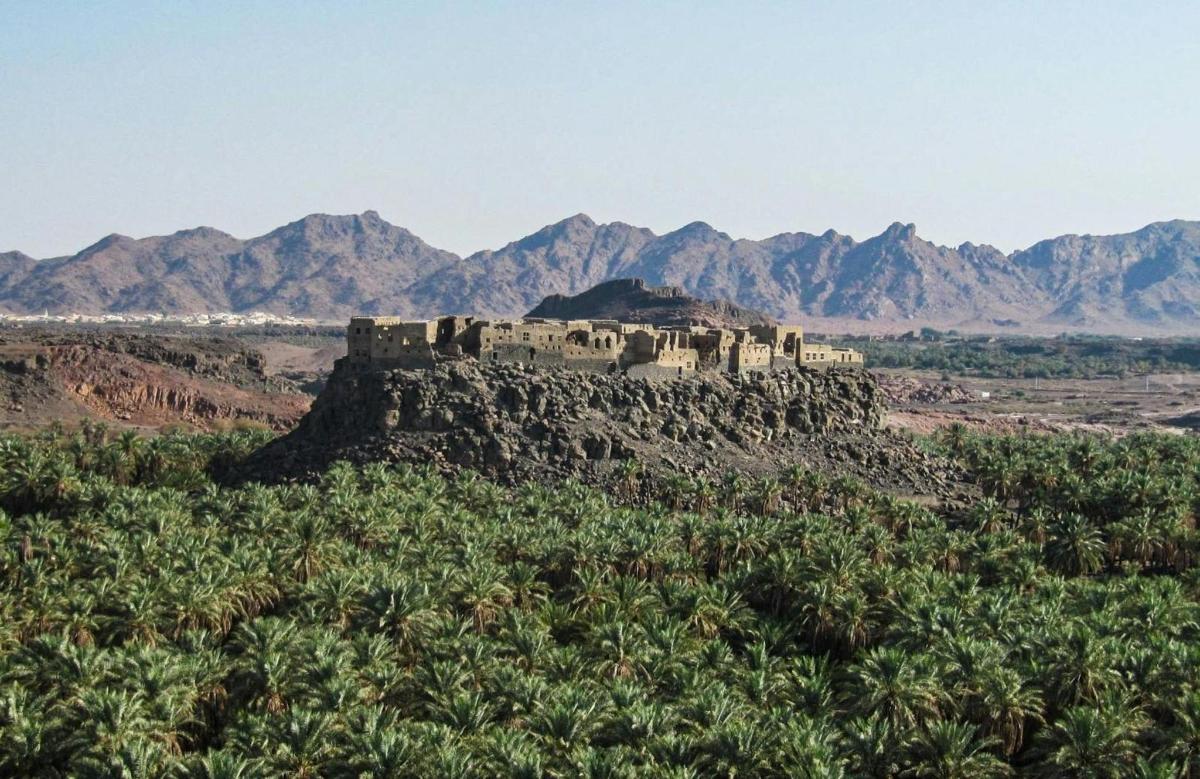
x=289, y=358
x=1163, y=402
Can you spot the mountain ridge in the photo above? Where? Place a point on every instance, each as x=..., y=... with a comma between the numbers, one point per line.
x=330, y=266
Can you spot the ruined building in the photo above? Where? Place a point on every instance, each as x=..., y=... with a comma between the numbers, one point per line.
x=601, y=346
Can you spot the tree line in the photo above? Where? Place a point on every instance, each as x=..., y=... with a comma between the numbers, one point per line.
x=1078, y=357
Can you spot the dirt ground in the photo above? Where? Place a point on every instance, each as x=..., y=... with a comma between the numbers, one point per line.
x=284, y=358
x=1162, y=402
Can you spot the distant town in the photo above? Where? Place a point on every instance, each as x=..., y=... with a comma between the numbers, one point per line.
x=223, y=319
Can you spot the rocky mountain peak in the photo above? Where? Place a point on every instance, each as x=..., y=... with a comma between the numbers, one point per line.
x=110, y=240
x=898, y=231
x=577, y=228
x=698, y=228
x=579, y=220
x=202, y=233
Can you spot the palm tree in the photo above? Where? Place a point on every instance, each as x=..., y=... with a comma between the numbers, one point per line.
x=1082, y=668
x=392, y=622
x=871, y=745
x=988, y=516
x=1180, y=741
x=482, y=593
x=1075, y=546
x=951, y=750
x=893, y=684
x=465, y=712
x=137, y=760
x=955, y=437
x=301, y=745
x=629, y=477
x=704, y=495
x=733, y=487
x=767, y=494
x=793, y=480
x=566, y=721
x=27, y=742
x=1005, y=706
x=1137, y=538
x=1088, y=742
x=677, y=486
x=112, y=721
x=311, y=546
x=736, y=748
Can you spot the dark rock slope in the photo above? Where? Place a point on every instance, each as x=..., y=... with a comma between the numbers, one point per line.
x=630, y=300
x=517, y=423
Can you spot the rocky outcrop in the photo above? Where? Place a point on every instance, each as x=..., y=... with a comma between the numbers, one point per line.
x=515, y=423
x=139, y=380
x=906, y=390
x=630, y=300
x=131, y=390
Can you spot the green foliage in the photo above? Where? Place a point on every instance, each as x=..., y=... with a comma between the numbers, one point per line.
x=390, y=622
x=1013, y=357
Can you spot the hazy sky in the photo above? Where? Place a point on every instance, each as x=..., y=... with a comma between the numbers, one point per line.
x=473, y=124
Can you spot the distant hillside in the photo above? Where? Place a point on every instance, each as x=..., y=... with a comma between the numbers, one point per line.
x=630, y=300
x=332, y=266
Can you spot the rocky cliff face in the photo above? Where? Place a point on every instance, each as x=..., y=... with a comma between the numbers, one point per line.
x=517, y=423
x=139, y=380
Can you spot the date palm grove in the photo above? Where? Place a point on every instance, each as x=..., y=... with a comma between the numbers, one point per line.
x=388, y=621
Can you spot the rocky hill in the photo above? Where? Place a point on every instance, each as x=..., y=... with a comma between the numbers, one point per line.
x=144, y=381
x=332, y=266
x=515, y=423
x=630, y=300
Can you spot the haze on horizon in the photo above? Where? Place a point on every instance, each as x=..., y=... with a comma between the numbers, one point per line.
x=472, y=124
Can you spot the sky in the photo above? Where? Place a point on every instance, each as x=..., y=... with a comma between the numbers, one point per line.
x=474, y=124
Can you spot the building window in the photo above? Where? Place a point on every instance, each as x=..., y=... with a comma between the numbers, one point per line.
x=524, y=336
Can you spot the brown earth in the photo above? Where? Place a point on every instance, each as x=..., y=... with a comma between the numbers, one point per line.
x=144, y=381
x=920, y=402
x=287, y=359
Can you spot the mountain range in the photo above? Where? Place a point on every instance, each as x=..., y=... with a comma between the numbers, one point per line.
x=330, y=267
